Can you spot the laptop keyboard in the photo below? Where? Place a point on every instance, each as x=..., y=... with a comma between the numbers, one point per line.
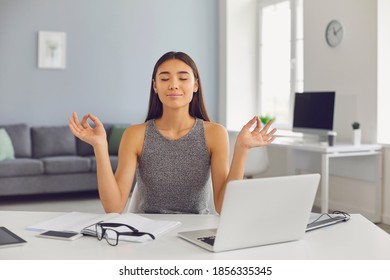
x=209, y=240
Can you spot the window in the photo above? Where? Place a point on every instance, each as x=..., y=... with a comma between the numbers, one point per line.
x=280, y=58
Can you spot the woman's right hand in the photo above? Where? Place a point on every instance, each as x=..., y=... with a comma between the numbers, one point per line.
x=94, y=136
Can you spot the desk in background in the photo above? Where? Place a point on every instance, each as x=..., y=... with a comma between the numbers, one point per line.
x=334, y=242
x=362, y=162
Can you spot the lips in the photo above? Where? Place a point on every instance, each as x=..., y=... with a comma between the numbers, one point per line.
x=174, y=95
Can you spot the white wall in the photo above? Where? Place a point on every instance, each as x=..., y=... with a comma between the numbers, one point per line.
x=386, y=185
x=384, y=98
x=112, y=47
x=238, y=84
x=383, y=70
x=350, y=70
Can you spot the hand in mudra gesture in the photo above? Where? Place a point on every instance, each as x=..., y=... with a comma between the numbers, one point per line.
x=257, y=137
x=91, y=135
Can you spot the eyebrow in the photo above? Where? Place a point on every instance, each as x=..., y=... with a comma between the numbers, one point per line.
x=180, y=72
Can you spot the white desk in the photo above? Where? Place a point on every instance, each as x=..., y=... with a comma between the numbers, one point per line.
x=356, y=239
x=366, y=164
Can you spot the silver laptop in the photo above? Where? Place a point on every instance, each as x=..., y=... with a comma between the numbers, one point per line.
x=259, y=212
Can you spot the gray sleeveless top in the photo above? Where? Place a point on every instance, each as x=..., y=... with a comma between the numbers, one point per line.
x=173, y=175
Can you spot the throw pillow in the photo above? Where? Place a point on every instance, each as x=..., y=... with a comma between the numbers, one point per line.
x=115, y=138
x=6, y=147
x=20, y=138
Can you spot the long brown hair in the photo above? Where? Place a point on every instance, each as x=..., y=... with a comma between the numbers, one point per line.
x=197, y=107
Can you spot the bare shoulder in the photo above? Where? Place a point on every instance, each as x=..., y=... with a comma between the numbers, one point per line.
x=136, y=130
x=134, y=136
x=216, y=136
x=214, y=129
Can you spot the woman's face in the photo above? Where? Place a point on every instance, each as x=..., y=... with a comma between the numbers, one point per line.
x=175, y=83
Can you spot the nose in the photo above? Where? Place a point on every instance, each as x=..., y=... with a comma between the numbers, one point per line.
x=173, y=84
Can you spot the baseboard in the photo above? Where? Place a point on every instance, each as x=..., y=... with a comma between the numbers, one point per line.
x=386, y=219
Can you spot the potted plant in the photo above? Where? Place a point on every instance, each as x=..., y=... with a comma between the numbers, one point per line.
x=357, y=133
x=266, y=118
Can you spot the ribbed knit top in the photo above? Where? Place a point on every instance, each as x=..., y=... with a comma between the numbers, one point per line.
x=173, y=175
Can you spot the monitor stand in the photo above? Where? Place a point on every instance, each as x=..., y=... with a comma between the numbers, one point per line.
x=314, y=138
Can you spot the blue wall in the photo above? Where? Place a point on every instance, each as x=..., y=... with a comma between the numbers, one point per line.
x=112, y=46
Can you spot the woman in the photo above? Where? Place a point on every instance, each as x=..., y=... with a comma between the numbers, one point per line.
x=173, y=152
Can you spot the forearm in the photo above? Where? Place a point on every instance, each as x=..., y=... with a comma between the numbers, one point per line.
x=236, y=172
x=108, y=188
x=249, y=137
x=237, y=166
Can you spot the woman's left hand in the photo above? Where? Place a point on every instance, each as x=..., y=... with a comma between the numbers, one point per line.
x=257, y=137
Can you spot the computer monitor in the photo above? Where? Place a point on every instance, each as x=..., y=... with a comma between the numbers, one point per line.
x=313, y=113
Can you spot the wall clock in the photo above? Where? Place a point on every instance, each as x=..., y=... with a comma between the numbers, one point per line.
x=334, y=33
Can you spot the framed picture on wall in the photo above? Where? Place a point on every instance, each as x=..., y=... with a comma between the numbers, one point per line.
x=51, y=50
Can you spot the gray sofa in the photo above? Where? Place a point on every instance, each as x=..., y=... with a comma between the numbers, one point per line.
x=51, y=160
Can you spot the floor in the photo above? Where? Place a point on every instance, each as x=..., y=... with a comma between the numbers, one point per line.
x=385, y=227
x=80, y=202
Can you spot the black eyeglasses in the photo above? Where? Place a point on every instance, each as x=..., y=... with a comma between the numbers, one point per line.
x=104, y=230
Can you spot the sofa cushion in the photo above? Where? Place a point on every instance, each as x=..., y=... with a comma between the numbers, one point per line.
x=66, y=164
x=20, y=167
x=108, y=127
x=6, y=147
x=115, y=138
x=52, y=141
x=20, y=136
x=83, y=149
x=113, y=160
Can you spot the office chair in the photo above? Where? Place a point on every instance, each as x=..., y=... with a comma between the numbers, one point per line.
x=135, y=199
x=257, y=161
x=133, y=202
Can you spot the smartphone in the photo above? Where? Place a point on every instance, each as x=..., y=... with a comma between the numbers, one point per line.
x=62, y=235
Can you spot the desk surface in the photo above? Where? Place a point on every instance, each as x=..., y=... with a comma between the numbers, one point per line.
x=324, y=148
x=356, y=239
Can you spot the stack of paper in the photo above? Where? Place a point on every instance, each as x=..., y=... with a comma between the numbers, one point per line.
x=85, y=223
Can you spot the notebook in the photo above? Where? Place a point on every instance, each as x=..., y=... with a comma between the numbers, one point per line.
x=258, y=212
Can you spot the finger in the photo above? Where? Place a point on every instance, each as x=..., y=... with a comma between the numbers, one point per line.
x=258, y=125
x=270, y=140
x=84, y=121
x=75, y=118
x=73, y=127
x=266, y=127
x=270, y=137
x=272, y=132
x=72, y=120
x=76, y=127
x=76, y=123
x=95, y=120
x=250, y=123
